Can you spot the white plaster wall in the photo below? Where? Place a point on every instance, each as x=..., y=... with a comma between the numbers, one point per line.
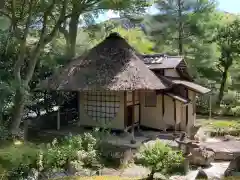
x=171, y=73
x=178, y=112
x=136, y=113
x=191, y=114
x=116, y=123
x=183, y=121
x=168, y=117
x=152, y=116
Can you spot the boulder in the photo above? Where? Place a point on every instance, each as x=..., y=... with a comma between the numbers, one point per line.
x=233, y=167
x=33, y=175
x=229, y=138
x=201, y=174
x=193, y=131
x=201, y=156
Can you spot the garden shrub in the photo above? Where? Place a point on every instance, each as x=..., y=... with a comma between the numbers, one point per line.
x=80, y=148
x=18, y=160
x=159, y=157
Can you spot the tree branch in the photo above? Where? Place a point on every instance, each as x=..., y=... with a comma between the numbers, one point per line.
x=20, y=61
x=44, y=39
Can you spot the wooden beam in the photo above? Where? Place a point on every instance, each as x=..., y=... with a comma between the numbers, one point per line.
x=79, y=108
x=133, y=118
x=125, y=110
x=26, y=123
x=139, y=111
x=175, y=115
x=58, y=119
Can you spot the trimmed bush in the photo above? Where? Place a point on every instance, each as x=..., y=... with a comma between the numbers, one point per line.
x=159, y=157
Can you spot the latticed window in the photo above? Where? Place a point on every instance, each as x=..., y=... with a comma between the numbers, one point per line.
x=101, y=106
x=238, y=95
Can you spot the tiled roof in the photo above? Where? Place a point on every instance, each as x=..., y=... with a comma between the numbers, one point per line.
x=161, y=61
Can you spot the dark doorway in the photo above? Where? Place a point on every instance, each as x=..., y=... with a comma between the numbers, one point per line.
x=129, y=115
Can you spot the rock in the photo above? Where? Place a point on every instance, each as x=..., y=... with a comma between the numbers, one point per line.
x=159, y=176
x=128, y=156
x=201, y=156
x=194, y=130
x=233, y=167
x=85, y=172
x=201, y=174
x=33, y=175
x=135, y=171
x=178, y=178
x=109, y=172
x=228, y=138
x=74, y=167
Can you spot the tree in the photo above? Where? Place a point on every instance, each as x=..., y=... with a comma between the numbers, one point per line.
x=27, y=16
x=136, y=39
x=90, y=9
x=228, y=40
x=177, y=20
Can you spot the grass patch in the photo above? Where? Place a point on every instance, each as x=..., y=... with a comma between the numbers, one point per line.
x=221, y=126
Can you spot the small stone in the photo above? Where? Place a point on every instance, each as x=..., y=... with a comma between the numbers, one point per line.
x=233, y=167
x=201, y=174
x=133, y=141
x=159, y=176
x=228, y=138
x=33, y=175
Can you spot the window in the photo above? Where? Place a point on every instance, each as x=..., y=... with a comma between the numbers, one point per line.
x=101, y=106
x=150, y=99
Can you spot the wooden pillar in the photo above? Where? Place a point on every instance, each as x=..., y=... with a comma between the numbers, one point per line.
x=26, y=122
x=133, y=141
x=139, y=110
x=210, y=107
x=58, y=119
x=79, y=108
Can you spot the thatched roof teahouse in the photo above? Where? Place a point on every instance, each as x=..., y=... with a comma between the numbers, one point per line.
x=111, y=65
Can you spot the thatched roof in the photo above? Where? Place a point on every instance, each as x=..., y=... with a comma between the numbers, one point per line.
x=111, y=65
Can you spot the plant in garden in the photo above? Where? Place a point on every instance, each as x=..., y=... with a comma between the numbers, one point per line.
x=159, y=157
x=18, y=160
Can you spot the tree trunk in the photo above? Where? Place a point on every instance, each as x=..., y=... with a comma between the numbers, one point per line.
x=222, y=87
x=180, y=28
x=73, y=28
x=19, y=102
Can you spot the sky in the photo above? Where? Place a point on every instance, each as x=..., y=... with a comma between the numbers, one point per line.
x=231, y=6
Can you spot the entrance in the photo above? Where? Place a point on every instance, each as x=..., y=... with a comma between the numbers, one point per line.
x=130, y=118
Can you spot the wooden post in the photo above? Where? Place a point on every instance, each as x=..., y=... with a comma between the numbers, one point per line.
x=26, y=122
x=210, y=107
x=58, y=118
x=133, y=141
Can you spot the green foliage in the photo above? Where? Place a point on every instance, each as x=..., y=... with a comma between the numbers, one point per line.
x=4, y=133
x=159, y=157
x=81, y=149
x=136, y=39
x=222, y=127
x=18, y=160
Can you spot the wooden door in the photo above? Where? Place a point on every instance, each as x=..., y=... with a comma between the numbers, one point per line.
x=129, y=115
